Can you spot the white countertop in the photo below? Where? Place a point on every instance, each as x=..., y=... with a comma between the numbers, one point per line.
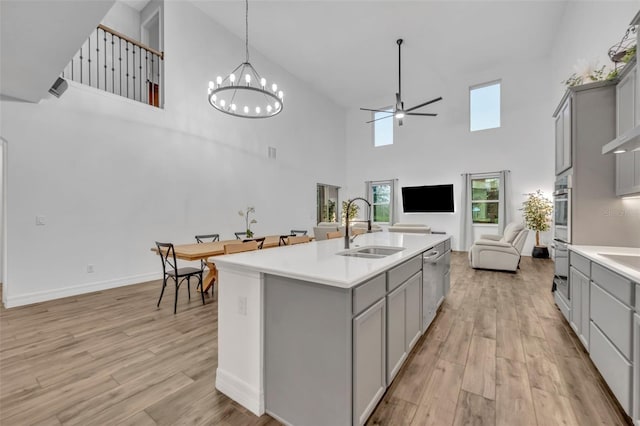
x=595, y=253
x=318, y=262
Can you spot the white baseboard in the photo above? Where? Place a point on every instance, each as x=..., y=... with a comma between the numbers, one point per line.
x=58, y=293
x=240, y=391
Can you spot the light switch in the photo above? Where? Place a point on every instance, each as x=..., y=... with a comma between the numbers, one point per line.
x=41, y=220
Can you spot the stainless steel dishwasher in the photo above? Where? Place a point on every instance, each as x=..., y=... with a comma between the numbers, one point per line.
x=435, y=281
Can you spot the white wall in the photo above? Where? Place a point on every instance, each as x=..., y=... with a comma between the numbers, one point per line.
x=431, y=151
x=586, y=32
x=124, y=19
x=112, y=176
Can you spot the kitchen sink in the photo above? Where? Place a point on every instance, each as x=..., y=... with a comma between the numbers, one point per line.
x=629, y=260
x=371, y=252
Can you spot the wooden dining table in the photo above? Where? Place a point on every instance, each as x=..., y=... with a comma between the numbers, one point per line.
x=203, y=251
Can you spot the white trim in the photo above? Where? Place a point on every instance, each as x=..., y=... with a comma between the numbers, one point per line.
x=58, y=293
x=240, y=391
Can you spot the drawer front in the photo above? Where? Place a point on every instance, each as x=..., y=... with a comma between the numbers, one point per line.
x=581, y=263
x=401, y=273
x=615, y=284
x=615, y=369
x=368, y=293
x=613, y=318
x=447, y=245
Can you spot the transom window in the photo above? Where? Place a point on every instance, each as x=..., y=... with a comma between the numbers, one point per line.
x=484, y=106
x=485, y=200
x=383, y=127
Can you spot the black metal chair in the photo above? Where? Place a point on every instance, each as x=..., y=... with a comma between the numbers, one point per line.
x=240, y=235
x=298, y=232
x=260, y=241
x=170, y=270
x=208, y=238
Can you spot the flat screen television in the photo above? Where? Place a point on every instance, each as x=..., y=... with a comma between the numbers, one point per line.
x=427, y=199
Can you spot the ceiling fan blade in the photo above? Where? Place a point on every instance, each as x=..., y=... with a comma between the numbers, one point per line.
x=377, y=110
x=381, y=118
x=424, y=114
x=424, y=104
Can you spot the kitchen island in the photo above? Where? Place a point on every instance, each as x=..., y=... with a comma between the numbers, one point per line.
x=311, y=336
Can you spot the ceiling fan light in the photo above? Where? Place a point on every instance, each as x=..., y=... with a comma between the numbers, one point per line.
x=399, y=115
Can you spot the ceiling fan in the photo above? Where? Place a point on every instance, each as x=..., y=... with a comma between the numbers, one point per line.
x=399, y=111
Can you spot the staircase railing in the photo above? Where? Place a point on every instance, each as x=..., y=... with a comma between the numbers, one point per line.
x=117, y=64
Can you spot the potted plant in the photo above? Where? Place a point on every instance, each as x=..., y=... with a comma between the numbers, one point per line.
x=248, y=222
x=353, y=211
x=537, y=217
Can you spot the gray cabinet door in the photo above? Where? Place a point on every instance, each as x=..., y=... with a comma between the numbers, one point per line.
x=429, y=295
x=559, y=143
x=563, y=138
x=413, y=315
x=636, y=369
x=369, y=374
x=628, y=173
x=626, y=103
x=584, y=329
x=396, y=330
x=575, y=284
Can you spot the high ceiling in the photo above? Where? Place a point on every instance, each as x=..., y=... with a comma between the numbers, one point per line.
x=348, y=51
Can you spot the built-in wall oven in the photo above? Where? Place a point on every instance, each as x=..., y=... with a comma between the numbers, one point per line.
x=562, y=233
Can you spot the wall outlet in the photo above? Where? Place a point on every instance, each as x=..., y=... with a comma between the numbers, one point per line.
x=41, y=220
x=89, y=269
x=242, y=305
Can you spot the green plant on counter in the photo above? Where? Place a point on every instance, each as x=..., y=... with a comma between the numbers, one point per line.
x=537, y=213
x=353, y=211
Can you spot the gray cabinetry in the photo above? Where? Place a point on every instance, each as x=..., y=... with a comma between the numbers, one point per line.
x=396, y=330
x=611, y=331
x=636, y=367
x=563, y=137
x=627, y=112
x=369, y=346
x=580, y=305
x=414, y=311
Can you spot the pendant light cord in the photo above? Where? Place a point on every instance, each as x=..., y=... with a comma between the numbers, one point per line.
x=246, y=30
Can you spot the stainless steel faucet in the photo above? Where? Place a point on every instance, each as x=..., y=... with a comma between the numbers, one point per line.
x=346, y=230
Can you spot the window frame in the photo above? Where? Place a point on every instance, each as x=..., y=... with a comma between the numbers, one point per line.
x=480, y=86
x=370, y=198
x=373, y=126
x=485, y=176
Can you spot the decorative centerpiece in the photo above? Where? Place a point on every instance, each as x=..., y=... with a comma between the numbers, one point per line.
x=537, y=217
x=248, y=222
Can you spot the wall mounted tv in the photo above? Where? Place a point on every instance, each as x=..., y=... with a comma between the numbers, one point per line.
x=427, y=199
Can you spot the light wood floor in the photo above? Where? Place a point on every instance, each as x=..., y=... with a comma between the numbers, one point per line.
x=499, y=353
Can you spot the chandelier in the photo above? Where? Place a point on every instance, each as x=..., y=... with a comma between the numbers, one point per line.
x=243, y=93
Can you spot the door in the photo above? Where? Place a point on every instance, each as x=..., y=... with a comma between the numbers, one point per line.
x=396, y=330
x=369, y=373
x=413, y=317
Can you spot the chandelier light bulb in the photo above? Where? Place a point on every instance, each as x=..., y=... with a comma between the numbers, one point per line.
x=277, y=105
x=211, y=85
x=233, y=107
x=222, y=103
x=218, y=80
x=274, y=87
x=247, y=78
x=214, y=98
x=269, y=108
x=263, y=82
x=232, y=78
x=280, y=94
x=246, y=109
x=257, y=110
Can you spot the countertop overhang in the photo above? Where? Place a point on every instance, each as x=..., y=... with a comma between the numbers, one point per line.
x=319, y=262
x=594, y=253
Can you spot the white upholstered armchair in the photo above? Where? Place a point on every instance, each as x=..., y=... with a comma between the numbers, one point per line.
x=499, y=252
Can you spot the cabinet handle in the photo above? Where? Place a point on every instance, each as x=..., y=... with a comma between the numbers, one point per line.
x=433, y=255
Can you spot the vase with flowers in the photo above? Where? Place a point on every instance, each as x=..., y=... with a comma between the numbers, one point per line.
x=248, y=222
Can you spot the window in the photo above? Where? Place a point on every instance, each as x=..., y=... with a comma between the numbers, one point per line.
x=383, y=128
x=484, y=106
x=485, y=200
x=381, y=198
